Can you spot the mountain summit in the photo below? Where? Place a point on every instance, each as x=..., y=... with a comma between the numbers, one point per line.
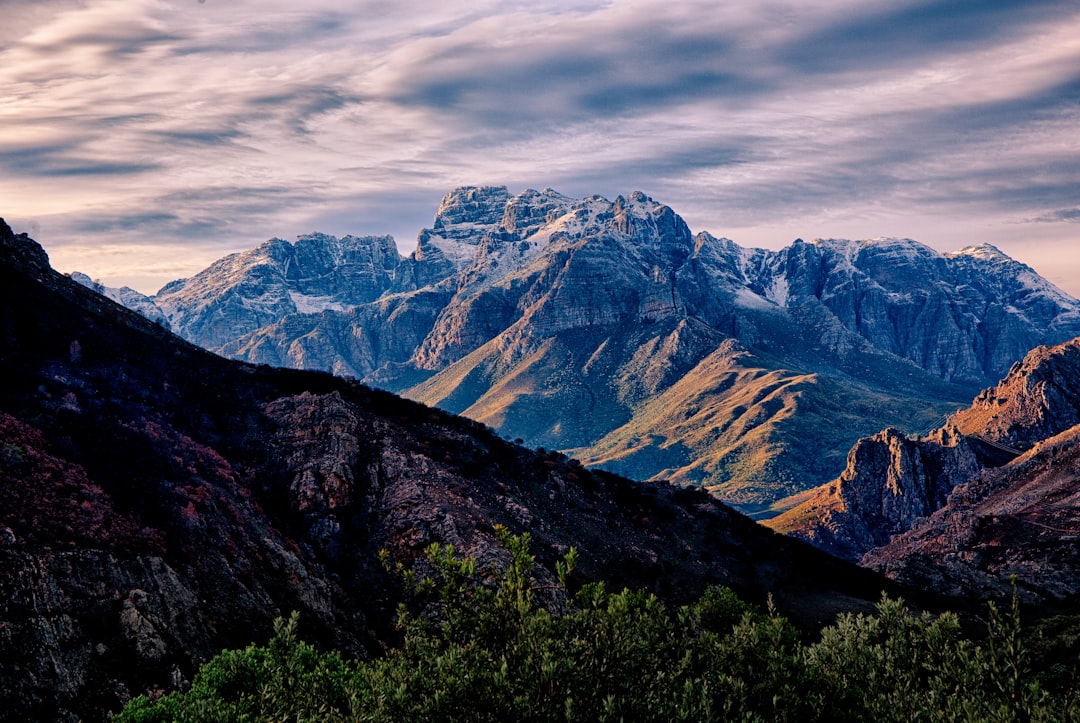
x=608, y=330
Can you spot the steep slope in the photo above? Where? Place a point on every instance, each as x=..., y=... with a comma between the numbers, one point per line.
x=158, y=503
x=575, y=324
x=891, y=480
x=248, y=291
x=1039, y=398
x=125, y=296
x=1020, y=521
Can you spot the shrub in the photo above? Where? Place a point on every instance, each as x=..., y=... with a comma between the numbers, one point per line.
x=482, y=649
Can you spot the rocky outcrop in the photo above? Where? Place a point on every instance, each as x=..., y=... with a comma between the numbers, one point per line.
x=21, y=249
x=886, y=503
x=159, y=503
x=245, y=292
x=1017, y=522
x=890, y=482
x=1037, y=399
x=1020, y=515
x=125, y=296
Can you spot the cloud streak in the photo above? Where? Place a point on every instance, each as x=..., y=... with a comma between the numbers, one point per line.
x=164, y=124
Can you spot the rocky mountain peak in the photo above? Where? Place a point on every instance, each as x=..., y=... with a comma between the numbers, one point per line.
x=463, y=218
x=886, y=260
x=985, y=252
x=464, y=209
x=22, y=248
x=890, y=481
x=1037, y=399
x=1011, y=528
x=990, y=271
x=125, y=296
x=246, y=291
x=530, y=210
x=652, y=227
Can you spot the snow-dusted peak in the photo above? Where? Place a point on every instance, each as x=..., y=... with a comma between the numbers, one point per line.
x=334, y=251
x=459, y=252
x=983, y=252
x=641, y=202
x=638, y=205
x=576, y=219
x=1014, y=280
x=879, y=244
x=84, y=280
x=464, y=216
x=125, y=296
x=470, y=207
x=530, y=210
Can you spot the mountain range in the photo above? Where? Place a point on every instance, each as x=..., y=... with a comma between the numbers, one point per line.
x=159, y=503
x=607, y=330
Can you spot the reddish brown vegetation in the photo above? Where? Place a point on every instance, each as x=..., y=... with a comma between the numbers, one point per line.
x=48, y=501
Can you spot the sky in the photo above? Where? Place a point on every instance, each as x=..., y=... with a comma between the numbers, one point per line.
x=142, y=139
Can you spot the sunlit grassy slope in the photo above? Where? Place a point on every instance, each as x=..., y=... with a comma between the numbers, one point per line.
x=680, y=401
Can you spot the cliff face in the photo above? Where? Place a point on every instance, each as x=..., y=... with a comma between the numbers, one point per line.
x=1021, y=518
x=245, y=292
x=1018, y=521
x=1037, y=399
x=890, y=481
x=991, y=494
x=159, y=503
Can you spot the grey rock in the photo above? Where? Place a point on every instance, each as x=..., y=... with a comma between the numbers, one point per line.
x=125, y=296
x=890, y=482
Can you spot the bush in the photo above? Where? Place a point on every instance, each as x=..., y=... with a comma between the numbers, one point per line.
x=488, y=651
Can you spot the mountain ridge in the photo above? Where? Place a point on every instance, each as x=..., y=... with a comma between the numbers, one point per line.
x=989, y=495
x=524, y=301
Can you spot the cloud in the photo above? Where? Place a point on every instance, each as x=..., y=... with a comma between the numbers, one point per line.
x=901, y=35
x=161, y=121
x=1061, y=215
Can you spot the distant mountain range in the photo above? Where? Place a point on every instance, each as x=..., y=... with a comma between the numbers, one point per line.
x=159, y=503
x=607, y=330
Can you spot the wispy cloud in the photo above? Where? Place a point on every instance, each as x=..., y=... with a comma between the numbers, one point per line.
x=167, y=123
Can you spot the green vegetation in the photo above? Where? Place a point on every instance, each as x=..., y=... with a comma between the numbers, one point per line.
x=489, y=651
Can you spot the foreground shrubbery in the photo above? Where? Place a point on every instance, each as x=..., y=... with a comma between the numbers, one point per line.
x=492, y=653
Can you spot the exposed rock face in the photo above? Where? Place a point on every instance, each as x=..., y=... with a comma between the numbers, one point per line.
x=1037, y=399
x=890, y=482
x=159, y=503
x=245, y=292
x=534, y=313
x=1022, y=520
